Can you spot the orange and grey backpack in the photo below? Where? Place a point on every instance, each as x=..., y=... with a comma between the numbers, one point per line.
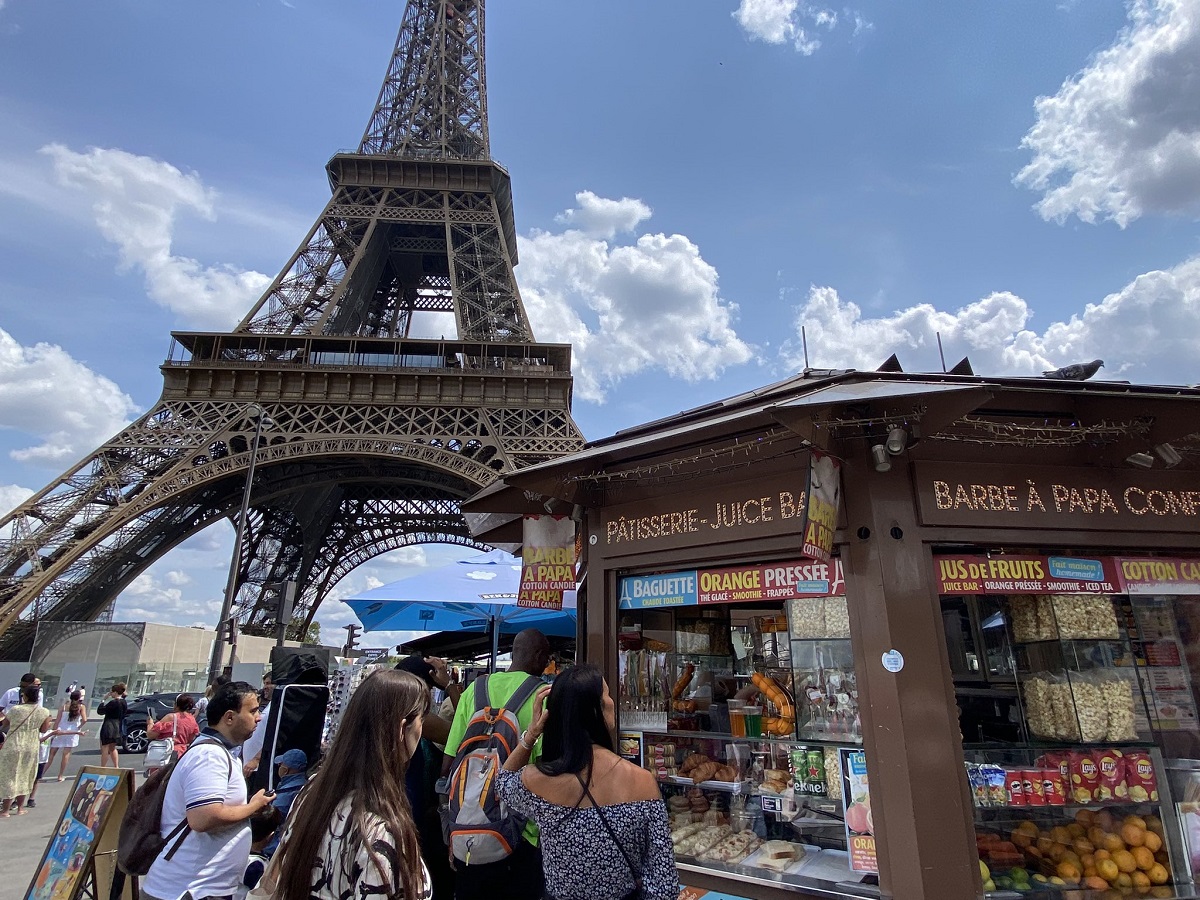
x=483, y=829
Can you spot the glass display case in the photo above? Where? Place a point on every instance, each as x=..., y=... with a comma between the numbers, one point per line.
x=743, y=712
x=1071, y=787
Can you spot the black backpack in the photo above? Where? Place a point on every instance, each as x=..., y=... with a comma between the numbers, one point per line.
x=140, y=841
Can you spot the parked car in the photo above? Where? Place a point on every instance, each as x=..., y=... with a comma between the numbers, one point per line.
x=157, y=705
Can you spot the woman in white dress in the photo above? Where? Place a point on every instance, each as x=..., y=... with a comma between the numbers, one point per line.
x=72, y=717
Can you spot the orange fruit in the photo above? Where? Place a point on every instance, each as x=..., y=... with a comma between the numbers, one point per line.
x=1123, y=881
x=1164, y=893
x=1112, y=843
x=1068, y=871
x=1144, y=858
x=1107, y=869
x=1154, y=823
x=1044, y=843
x=1125, y=861
x=1135, y=820
x=1082, y=845
x=1105, y=820
x=1056, y=852
x=1158, y=874
x=1096, y=835
x=1153, y=842
x=1090, y=872
x=1140, y=880
x=1089, y=862
x=1061, y=835
x=1076, y=830
x=1095, y=883
x=1133, y=834
x=1102, y=854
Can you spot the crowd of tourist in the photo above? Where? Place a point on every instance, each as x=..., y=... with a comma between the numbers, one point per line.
x=381, y=813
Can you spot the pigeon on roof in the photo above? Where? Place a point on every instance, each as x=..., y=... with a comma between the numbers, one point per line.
x=1076, y=371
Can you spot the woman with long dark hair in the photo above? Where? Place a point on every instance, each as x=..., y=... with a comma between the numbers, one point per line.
x=602, y=821
x=351, y=833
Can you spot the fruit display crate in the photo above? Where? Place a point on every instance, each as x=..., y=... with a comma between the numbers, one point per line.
x=1097, y=849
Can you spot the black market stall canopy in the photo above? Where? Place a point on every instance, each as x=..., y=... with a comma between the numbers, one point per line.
x=469, y=647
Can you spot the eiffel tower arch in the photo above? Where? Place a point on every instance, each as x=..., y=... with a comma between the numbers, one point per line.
x=371, y=435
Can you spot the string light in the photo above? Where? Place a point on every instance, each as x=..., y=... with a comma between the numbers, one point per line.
x=741, y=453
x=1047, y=434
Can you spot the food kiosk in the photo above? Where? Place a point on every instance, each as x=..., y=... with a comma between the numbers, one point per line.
x=911, y=636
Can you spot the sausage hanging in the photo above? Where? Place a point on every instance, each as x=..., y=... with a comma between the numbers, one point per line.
x=784, y=723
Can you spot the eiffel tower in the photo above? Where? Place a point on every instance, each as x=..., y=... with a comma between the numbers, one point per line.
x=371, y=435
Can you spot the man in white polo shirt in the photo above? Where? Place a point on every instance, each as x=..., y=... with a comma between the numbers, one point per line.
x=208, y=789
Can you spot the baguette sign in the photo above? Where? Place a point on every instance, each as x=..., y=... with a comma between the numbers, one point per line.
x=743, y=584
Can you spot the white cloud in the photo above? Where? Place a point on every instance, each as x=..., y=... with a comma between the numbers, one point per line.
x=135, y=201
x=409, y=557
x=1121, y=138
x=46, y=393
x=1147, y=332
x=599, y=217
x=149, y=599
x=11, y=496
x=790, y=21
x=651, y=305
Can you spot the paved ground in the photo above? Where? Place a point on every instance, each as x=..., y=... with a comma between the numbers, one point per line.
x=24, y=838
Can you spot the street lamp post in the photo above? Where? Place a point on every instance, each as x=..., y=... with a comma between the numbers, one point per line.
x=235, y=563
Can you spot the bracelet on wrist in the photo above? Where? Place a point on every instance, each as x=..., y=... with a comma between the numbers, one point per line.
x=528, y=745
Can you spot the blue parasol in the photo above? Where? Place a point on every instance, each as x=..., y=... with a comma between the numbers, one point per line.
x=478, y=593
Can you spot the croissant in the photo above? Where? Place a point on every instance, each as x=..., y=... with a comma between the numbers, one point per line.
x=704, y=772
x=692, y=762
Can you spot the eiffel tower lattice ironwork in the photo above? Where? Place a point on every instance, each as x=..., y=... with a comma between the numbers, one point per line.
x=374, y=434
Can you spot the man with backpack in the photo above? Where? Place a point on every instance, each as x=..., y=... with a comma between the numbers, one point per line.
x=207, y=791
x=494, y=713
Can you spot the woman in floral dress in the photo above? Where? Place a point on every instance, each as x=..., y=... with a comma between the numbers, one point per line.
x=27, y=721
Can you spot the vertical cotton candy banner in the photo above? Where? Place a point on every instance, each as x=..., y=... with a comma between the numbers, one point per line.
x=547, y=561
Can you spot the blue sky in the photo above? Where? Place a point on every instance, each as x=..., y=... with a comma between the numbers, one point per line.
x=693, y=182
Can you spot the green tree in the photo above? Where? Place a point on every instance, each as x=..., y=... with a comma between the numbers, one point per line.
x=312, y=634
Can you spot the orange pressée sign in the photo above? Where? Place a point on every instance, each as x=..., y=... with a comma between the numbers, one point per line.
x=778, y=581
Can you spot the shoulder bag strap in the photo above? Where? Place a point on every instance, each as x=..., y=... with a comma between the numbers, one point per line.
x=523, y=693
x=23, y=722
x=637, y=876
x=183, y=828
x=481, y=692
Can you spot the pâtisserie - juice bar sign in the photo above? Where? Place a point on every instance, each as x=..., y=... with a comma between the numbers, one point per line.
x=748, y=509
x=971, y=494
